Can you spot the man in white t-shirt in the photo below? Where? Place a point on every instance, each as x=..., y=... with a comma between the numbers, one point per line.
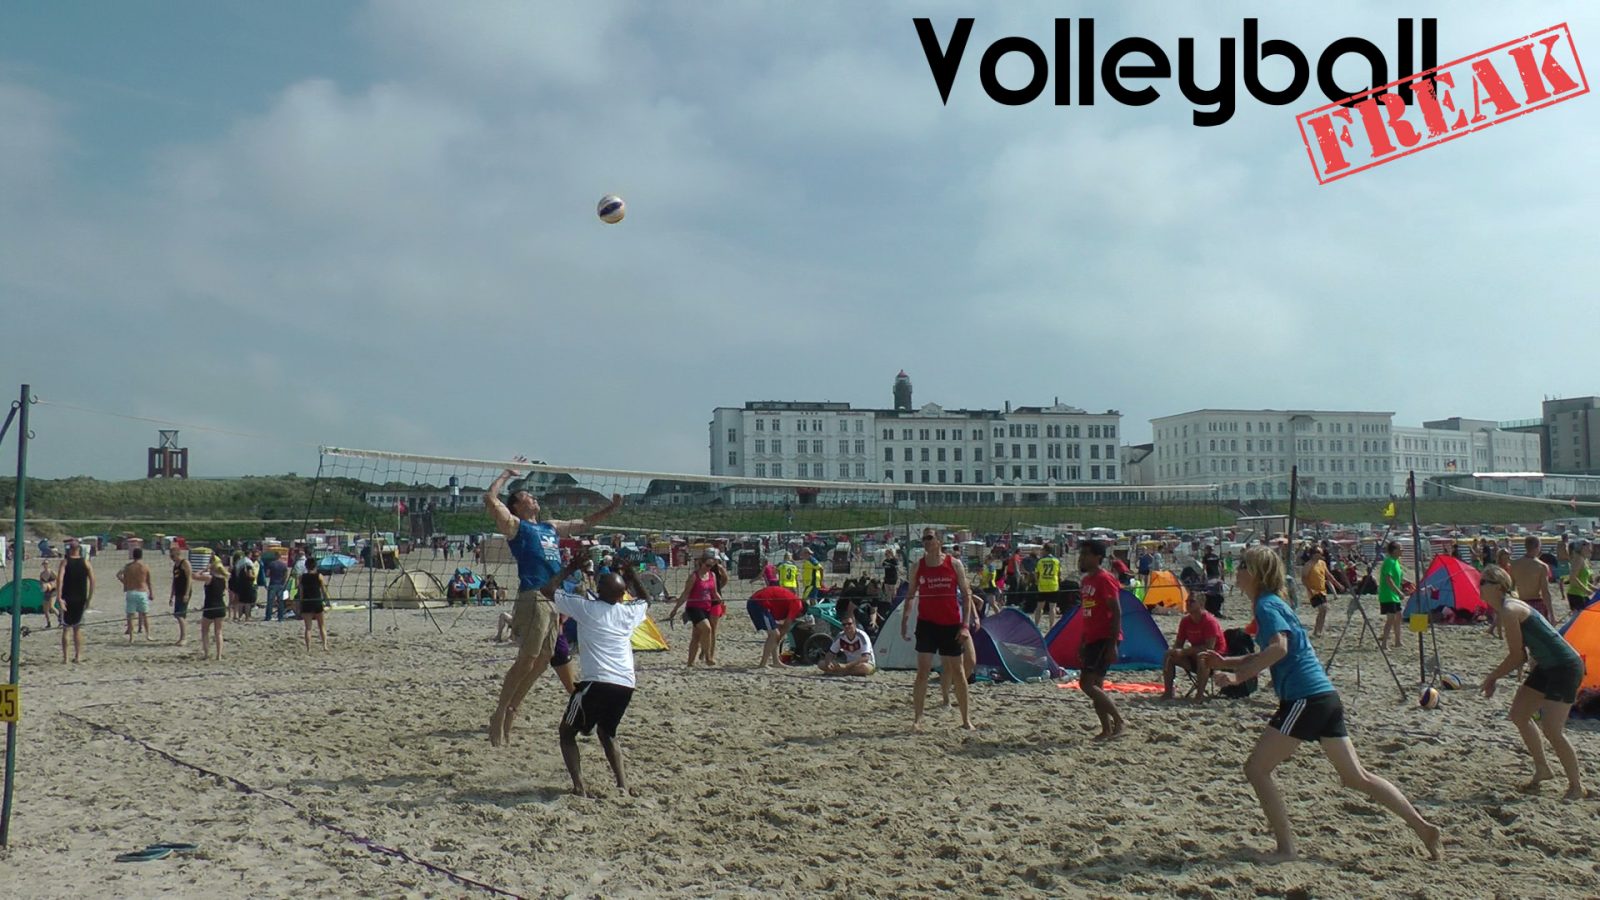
x=851, y=653
x=606, y=682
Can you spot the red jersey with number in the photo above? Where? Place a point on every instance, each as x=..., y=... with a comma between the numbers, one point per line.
x=1100, y=589
x=938, y=600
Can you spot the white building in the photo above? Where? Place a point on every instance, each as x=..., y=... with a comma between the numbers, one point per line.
x=1495, y=449
x=926, y=445
x=1249, y=453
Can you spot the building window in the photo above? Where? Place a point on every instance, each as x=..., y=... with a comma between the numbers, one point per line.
x=777, y=470
x=805, y=470
x=761, y=470
x=939, y=435
x=1033, y=451
x=844, y=470
x=1031, y=431
x=1094, y=451
x=959, y=473
x=844, y=448
x=908, y=476
x=907, y=454
x=941, y=454
x=859, y=426
x=733, y=435
x=816, y=447
x=957, y=454
x=733, y=457
x=924, y=454
x=761, y=445
x=1033, y=473
x=861, y=447
x=1094, y=472
x=922, y=434
x=1111, y=473
x=861, y=470
x=888, y=474
x=925, y=476
x=777, y=446
x=1016, y=451
x=888, y=434
x=977, y=454
x=958, y=437
x=761, y=424
x=941, y=476
x=905, y=434
x=888, y=454
x=977, y=476
x=1016, y=473
x=777, y=425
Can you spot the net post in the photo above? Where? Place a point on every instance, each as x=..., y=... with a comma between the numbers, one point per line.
x=16, y=607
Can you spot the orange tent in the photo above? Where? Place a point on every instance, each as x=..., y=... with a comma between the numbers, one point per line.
x=1583, y=633
x=1166, y=592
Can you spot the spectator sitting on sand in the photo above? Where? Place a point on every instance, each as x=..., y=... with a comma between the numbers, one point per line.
x=851, y=652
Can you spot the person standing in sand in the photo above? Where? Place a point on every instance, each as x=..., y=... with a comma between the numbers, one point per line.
x=1308, y=707
x=607, y=682
x=182, y=590
x=1315, y=577
x=136, y=589
x=536, y=546
x=77, y=589
x=213, y=608
x=939, y=600
x=1580, y=582
x=1101, y=608
x=1552, y=684
x=1531, y=575
x=48, y=586
x=313, y=599
x=700, y=595
x=1391, y=593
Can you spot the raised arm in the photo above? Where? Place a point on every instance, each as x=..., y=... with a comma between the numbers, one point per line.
x=504, y=521
x=568, y=527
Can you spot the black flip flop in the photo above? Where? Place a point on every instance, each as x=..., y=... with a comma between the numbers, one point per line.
x=172, y=845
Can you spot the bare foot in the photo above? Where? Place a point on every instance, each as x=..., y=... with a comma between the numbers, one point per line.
x=1433, y=839
x=969, y=726
x=1274, y=857
x=1539, y=776
x=496, y=729
x=1576, y=792
x=916, y=726
x=178, y=643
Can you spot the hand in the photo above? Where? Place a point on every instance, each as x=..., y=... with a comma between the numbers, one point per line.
x=1488, y=689
x=1224, y=679
x=904, y=636
x=1211, y=658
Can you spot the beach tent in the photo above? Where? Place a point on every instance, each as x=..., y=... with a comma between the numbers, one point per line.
x=411, y=590
x=1582, y=631
x=1143, y=645
x=648, y=638
x=1448, y=582
x=1165, y=592
x=32, y=596
x=1010, y=646
x=335, y=563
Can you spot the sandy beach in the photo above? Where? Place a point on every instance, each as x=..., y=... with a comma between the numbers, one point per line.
x=365, y=772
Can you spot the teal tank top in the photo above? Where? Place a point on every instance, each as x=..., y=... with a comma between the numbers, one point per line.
x=1546, y=647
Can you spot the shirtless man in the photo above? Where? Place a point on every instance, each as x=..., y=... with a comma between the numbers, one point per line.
x=1531, y=576
x=137, y=587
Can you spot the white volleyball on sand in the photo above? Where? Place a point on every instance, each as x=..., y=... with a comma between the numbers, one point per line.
x=1429, y=698
x=611, y=209
x=1450, y=682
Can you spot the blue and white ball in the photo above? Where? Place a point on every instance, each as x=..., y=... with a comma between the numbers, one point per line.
x=611, y=209
x=1450, y=682
x=1429, y=698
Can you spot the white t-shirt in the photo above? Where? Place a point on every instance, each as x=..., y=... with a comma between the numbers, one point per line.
x=605, y=636
x=855, y=651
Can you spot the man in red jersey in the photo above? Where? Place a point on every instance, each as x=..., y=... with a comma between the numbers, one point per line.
x=943, y=614
x=1102, y=632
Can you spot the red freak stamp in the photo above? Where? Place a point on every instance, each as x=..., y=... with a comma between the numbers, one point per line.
x=1517, y=77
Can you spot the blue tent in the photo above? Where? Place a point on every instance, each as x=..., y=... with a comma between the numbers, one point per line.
x=335, y=563
x=1143, y=645
x=1011, y=647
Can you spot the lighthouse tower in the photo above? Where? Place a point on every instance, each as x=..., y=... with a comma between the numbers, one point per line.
x=902, y=392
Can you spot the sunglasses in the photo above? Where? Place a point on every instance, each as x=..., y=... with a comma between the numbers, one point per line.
x=929, y=537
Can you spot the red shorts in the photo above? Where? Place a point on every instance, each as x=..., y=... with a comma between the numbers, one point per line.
x=718, y=610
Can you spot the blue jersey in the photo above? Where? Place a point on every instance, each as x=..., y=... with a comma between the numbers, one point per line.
x=1298, y=675
x=537, y=550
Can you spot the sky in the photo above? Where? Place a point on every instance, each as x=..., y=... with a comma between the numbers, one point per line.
x=372, y=225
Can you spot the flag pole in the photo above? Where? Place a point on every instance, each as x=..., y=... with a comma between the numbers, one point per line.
x=16, y=615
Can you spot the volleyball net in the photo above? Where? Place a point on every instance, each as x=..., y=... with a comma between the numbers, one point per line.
x=432, y=498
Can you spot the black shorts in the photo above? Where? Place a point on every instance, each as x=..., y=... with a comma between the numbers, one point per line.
x=213, y=612
x=311, y=607
x=1576, y=602
x=944, y=640
x=1095, y=659
x=694, y=614
x=597, y=705
x=72, y=616
x=1556, y=682
x=1311, y=719
x=1318, y=599
x=180, y=610
x=1389, y=609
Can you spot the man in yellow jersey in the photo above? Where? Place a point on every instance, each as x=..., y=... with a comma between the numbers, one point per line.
x=1047, y=582
x=789, y=574
x=810, y=575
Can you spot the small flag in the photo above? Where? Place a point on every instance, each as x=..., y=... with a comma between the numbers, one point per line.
x=1388, y=511
x=399, y=507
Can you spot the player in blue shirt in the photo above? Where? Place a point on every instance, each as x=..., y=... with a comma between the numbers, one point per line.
x=1308, y=707
x=536, y=546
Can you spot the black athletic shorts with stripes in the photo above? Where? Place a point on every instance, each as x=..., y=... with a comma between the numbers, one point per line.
x=1312, y=718
x=597, y=705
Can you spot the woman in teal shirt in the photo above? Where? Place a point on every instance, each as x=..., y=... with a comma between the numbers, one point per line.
x=1308, y=707
x=1552, y=684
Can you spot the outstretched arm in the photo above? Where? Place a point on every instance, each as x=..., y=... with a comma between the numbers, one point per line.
x=568, y=527
x=504, y=521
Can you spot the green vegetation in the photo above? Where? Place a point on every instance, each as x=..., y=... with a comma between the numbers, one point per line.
x=244, y=508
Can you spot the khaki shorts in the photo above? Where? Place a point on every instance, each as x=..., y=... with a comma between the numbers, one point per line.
x=533, y=621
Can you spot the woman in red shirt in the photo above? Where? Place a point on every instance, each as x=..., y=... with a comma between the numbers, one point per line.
x=940, y=602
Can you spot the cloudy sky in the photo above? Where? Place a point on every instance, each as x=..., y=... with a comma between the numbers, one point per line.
x=372, y=225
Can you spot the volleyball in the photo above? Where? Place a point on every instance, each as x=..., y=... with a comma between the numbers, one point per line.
x=1450, y=682
x=1429, y=698
x=611, y=209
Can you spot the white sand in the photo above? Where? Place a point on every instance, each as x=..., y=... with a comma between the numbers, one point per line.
x=773, y=783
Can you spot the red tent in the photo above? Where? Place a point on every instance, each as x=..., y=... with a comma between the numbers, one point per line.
x=1449, y=582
